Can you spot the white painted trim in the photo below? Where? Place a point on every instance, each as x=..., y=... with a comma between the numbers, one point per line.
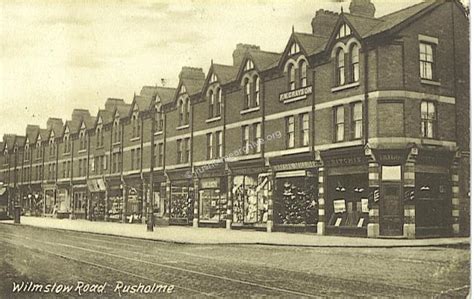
x=210, y=120
x=174, y=138
x=428, y=39
x=287, y=152
x=430, y=82
x=243, y=158
x=243, y=123
x=158, y=133
x=209, y=162
x=412, y=95
x=323, y=147
x=346, y=86
x=295, y=99
x=339, y=102
x=207, y=131
x=183, y=127
x=249, y=110
x=288, y=113
x=135, y=139
x=176, y=166
x=418, y=141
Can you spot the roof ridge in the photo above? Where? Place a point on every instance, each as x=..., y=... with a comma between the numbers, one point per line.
x=430, y=2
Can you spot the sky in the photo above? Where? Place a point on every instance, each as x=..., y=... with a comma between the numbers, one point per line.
x=59, y=55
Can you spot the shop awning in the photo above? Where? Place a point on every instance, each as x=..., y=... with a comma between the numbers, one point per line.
x=96, y=185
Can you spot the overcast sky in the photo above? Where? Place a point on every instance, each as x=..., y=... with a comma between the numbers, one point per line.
x=58, y=55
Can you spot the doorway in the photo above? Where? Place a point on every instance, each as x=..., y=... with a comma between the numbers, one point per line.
x=391, y=208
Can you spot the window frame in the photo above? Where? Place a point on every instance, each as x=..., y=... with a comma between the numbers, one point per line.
x=340, y=67
x=339, y=124
x=425, y=62
x=304, y=131
x=290, y=133
x=426, y=120
x=355, y=63
x=355, y=122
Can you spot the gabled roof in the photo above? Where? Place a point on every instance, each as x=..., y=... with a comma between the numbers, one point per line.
x=32, y=132
x=143, y=103
x=56, y=125
x=362, y=24
x=20, y=141
x=193, y=86
x=162, y=94
x=262, y=60
x=122, y=110
x=192, y=79
x=105, y=115
x=9, y=140
x=224, y=73
x=44, y=134
x=89, y=121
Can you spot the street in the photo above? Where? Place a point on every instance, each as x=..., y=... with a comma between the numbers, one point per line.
x=98, y=265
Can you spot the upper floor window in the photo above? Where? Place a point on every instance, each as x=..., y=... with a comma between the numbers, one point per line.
x=219, y=145
x=295, y=48
x=257, y=129
x=290, y=131
x=66, y=143
x=247, y=98
x=82, y=140
x=256, y=82
x=219, y=102
x=339, y=123
x=210, y=146
x=428, y=119
x=179, y=151
x=340, y=67
x=116, y=131
x=426, y=61
x=159, y=121
x=213, y=78
x=212, y=100
x=160, y=154
x=26, y=153
x=357, y=120
x=249, y=65
x=355, y=63
x=246, y=139
x=187, y=150
x=344, y=31
x=304, y=129
x=303, y=73
x=52, y=147
x=292, y=77
x=136, y=129
x=184, y=107
x=99, y=137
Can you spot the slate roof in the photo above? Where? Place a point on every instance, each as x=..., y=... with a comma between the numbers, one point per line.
x=32, y=132
x=20, y=141
x=143, y=102
x=164, y=94
x=44, y=133
x=225, y=73
x=9, y=140
x=105, y=115
x=264, y=60
x=312, y=44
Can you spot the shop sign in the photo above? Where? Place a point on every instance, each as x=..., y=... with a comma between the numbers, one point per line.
x=210, y=183
x=345, y=161
x=339, y=206
x=296, y=95
x=295, y=166
x=391, y=158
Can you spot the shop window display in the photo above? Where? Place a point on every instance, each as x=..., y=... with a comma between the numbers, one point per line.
x=432, y=194
x=250, y=195
x=296, y=200
x=182, y=202
x=348, y=201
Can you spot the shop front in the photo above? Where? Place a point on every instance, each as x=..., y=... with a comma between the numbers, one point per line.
x=96, y=207
x=433, y=193
x=33, y=200
x=49, y=199
x=295, y=192
x=160, y=200
x=212, y=196
x=251, y=183
x=135, y=199
x=346, y=189
x=63, y=201
x=79, y=201
x=181, y=198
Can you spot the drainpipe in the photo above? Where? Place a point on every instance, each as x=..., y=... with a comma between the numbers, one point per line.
x=366, y=94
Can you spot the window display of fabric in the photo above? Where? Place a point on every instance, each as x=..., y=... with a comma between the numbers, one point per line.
x=212, y=206
x=297, y=203
x=250, y=195
x=181, y=203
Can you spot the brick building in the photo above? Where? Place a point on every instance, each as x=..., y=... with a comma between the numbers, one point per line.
x=360, y=127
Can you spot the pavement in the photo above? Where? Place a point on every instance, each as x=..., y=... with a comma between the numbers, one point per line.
x=216, y=236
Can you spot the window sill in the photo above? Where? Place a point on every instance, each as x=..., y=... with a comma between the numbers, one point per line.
x=81, y=151
x=66, y=154
x=158, y=133
x=99, y=147
x=430, y=82
x=429, y=141
x=249, y=110
x=210, y=120
x=295, y=99
x=182, y=127
x=116, y=143
x=134, y=139
x=346, y=86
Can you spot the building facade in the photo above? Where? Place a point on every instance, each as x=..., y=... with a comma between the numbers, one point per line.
x=360, y=127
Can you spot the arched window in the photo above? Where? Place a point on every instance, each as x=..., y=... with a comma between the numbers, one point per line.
x=116, y=129
x=159, y=121
x=82, y=140
x=181, y=112
x=340, y=67
x=219, y=102
x=134, y=126
x=212, y=99
x=355, y=63
x=292, y=76
x=303, y=73
x=188, y=109
x=256, y=83
x=247, y=93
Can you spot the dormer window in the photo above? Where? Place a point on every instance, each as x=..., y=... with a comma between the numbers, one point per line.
x=340, y=64
x=182, y=90
x=247, y=98
x=213, y=78
x=99, y=137
x=212, y=99
x=26, y=153
x=355, y=63
x=344, y=31
x=67, y=147
x=135, y=126
x=256, y=82
x=303, y=73
x=116, y=130
x=295, y=48
x=184, y=107
x=219, y=102
x=51, y=147
x=159, y=122
x=249, y=65
x=82, y=140
x=292, y=77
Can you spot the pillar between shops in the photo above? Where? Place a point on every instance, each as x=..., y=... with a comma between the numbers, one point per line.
x=106, y=216
x=196, y=203
x=228, y=220
x=270, y=203
x=409, y=225
x=373, y=227
x=321, y=226
x=145, y=203
x=455, y=198
x=124, y=203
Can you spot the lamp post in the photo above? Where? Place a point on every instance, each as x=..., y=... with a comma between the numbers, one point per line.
x=151, y=218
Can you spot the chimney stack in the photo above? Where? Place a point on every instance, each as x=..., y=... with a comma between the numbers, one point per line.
x=240, y=51
x=323, y=22
x=364, y=8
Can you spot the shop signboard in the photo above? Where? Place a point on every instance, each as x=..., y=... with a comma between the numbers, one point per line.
x=345, y=161
x=339, y=206
x=296, y=166
x=295, y=95
x=210, y=183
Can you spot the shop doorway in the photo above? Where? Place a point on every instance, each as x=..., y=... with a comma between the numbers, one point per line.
x=391, y=208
